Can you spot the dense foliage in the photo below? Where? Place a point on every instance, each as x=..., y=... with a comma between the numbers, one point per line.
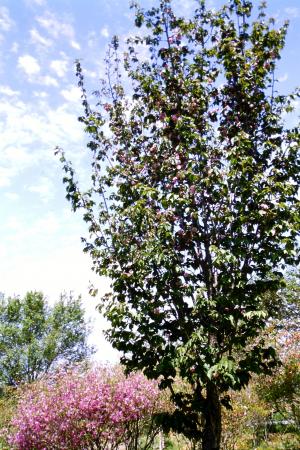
x=193, y=208
x=97, y=409
x=8, y=403
x=35, y=337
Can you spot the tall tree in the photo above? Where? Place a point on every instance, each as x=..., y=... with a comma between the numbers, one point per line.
x=34, y=337
x=193, y=208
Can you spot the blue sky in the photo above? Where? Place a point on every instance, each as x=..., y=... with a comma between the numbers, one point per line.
x=40, y=246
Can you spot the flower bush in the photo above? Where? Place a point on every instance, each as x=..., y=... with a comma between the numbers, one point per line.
x=96, y=409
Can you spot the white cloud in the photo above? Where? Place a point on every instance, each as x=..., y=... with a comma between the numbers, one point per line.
x=57, y=28
x=63, y=127
x=29, y=134
x=283, y=78
x=39, y=252
x=37, y=38
x=5, y=21
x=49, y=224
x=31, y=67
x=54, y=26
x=14, y=158
x=90, y=73
x=8, y=111
x=75, y=44
x=13, y=196
x=59, y=66
x=29, y=64
x=45, y=188
x=292, y=12
x=38, y=2
x=33, y=3
x=71, y=95
x=6, y=90
x=41, y=94
x=47, y=80
x=6, y=174
x=13, y=224
x=104, y=32
x=15, y=47
x=187, y=7
x=91, y=38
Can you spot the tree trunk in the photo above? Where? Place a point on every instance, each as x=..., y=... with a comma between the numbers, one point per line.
x=212, y=419
x=161, y=441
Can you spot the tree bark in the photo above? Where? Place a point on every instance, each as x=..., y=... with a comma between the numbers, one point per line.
x=212, y=419
x=161, y=441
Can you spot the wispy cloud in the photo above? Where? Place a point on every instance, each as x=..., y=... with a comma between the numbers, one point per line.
x=40, y=94
x=47, y=80
x=6, y=90
x=29, y=134
x=44, y=187
x=92, y=38
x=6, y=174
x=6, y=22
x=36, y=2
x=283, y=78
x=185, y=8
x=57, y=28
x=14, y=47
x=294, y=12
x=12, y=196
x=54, y=27
x=38, y=39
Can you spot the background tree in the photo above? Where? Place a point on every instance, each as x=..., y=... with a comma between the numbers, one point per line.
x=288, y=316
x=36, y=337
x=193, y=208
x=282, y=389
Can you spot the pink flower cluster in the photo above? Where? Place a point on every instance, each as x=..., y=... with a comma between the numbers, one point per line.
x=83, y=410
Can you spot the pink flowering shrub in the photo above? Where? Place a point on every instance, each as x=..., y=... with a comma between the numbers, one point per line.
x=96, y=409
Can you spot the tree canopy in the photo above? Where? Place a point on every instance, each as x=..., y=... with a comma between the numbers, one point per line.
x=35, y=337
x=193, y=208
